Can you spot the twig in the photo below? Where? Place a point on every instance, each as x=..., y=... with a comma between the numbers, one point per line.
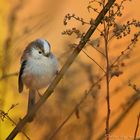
x=84, y=51
x=75, y=108
x=68, y=117
x=112, y=126
x=107, y=91
x=98, y=50
x=137, y=127
x=5, y=115
x=94, y=9
x=65, y=67
x=93, y=61
x=16, y=124
x=129, y=105
x=122, y=53
x=106, y=35
x=8, y=75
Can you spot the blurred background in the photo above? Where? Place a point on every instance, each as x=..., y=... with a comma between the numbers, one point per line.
x=23, y=21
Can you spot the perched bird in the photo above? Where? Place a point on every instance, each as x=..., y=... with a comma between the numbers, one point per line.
x=38, y=67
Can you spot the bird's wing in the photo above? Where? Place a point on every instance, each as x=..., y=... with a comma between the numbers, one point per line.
x=20, y=81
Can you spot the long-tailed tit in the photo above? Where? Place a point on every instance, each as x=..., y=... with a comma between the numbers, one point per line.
x=38, y=67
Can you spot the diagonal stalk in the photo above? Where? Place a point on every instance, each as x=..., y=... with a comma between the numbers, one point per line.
x=64, y=69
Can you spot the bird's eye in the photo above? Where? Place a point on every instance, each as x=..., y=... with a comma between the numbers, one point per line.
x=39, y=52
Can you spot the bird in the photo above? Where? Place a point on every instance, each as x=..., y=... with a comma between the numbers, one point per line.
x=38, y=67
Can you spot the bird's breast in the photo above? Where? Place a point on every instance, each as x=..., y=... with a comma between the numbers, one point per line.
x=40, y=72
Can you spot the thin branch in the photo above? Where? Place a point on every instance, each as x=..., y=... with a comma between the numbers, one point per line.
x=134, y=99
x=99, y=30
x=106, y=35
x=75, y=108
x=15, y=125
x=8, y=75
x=111, y=37
x=122, y=53
x=137, y=127
x=97, y=1
x=65, y=67
x=68, y=117
x=107, y=90
x=5, y=115
x=98, y=50
x=84, y=51
x=93, y=61
x=121, y=4
x=94, y=9
x=129, y=105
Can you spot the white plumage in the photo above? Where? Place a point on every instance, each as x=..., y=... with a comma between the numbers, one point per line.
x=38, y=68
x=42, y=71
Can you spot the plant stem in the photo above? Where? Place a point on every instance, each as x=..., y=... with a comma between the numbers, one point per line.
x=137, y=126
x=63, y=70
x=106, y=34
x=107, y=91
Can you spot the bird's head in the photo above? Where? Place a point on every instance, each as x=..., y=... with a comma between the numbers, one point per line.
x=38, y=49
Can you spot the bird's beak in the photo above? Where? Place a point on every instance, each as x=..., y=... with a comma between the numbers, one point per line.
x=47, y=54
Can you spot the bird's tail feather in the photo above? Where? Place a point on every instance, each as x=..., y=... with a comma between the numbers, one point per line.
x=31, y=102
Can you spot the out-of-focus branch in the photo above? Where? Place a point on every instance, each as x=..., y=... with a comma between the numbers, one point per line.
x=7, y=44
x=66, y=66
x=128, y=106
x=5, y=115
x=137, y=127
x=56, y=131
x=83, y=98
x=8, y=75
x=68, y=117
x=75, y=108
